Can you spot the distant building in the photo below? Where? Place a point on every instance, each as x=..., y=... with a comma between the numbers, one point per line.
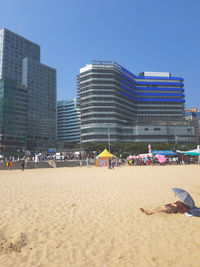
x=193, y=115
x=68, y=121
x=119, y=106
x=13, y=117
x=20, y=62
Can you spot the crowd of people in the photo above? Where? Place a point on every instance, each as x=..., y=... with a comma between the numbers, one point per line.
x=115, y=162
x=9, y=161
x=169, y=161
x=112, y=162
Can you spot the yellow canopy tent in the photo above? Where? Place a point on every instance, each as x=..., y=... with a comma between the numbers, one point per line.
x=106, y=154
x=103, y=158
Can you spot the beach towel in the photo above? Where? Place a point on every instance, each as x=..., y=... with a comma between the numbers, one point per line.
x=188, y=214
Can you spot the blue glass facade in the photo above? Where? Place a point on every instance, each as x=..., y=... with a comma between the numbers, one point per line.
x=68, y=121
x=154, y=92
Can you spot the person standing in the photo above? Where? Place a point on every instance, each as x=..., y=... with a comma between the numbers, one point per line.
x=10, y=164
x=109, y=163
x=23, y=164
x=113, y=164
x=87, y=161
x=81, y=163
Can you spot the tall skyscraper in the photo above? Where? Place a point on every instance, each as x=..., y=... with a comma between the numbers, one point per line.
x=13, y=117
x=193, y=115
x=68, y=121
x=124, y=107
x=20, y=61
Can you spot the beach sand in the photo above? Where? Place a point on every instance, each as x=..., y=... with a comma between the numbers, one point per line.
x=90, y=217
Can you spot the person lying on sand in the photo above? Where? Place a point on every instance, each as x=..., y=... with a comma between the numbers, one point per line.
x=177, y=207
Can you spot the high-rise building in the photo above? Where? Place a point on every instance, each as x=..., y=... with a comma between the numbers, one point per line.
x=13, y=117
x=20, y=61
x=118, y=105
x=193, y=115
x=68, y=121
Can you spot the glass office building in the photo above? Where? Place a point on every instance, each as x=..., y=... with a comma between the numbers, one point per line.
x=68, y=121
x=193, y=115
x=13, y=117
x=124, y=107
x=20, y=61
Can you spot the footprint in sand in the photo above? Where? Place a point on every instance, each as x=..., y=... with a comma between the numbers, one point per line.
x=126, y=258
x=7, y=247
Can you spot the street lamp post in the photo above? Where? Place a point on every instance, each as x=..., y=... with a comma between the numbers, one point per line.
x=108, y=138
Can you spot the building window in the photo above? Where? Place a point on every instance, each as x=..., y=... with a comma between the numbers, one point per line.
x=156, y=129
x=146, y=129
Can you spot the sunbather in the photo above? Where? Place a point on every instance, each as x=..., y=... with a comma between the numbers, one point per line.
x=177, y=207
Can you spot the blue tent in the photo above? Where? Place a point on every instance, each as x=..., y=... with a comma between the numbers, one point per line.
x=164, y=152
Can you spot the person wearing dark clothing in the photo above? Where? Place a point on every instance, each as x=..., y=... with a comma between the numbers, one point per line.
x=109, y=163
x=23, y=164
x=113, y=164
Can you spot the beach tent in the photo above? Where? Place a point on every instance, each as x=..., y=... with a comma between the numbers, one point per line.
x=147, y=155
x=194, y=152
x=164, y=152
x=131, y=157
x=102, y=160
x=106, y=154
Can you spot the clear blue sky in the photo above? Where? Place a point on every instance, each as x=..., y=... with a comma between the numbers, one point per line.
x=141, y=35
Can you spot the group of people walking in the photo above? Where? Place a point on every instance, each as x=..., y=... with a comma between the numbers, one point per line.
x=9, y=164
x=111, y=163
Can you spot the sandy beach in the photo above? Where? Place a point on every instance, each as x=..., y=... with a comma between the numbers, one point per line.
x=90, y=217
